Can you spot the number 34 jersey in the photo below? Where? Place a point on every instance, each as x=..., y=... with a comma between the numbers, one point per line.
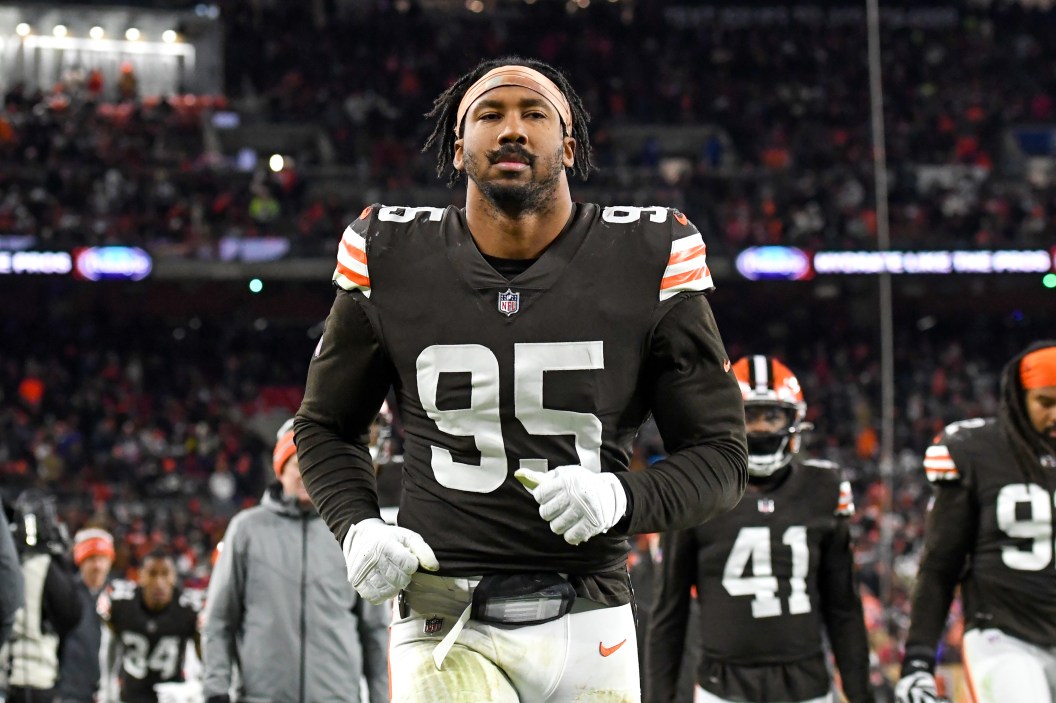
x=551, y=367
x=152, y=644
x=765, y=573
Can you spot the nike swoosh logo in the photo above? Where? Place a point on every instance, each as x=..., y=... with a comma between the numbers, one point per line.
x=606, y=651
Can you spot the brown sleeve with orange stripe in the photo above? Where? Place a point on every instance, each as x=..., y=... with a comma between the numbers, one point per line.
x=698, y=409
x=951, y=531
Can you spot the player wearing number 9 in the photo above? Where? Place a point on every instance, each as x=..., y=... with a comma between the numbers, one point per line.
x=991, y=530
x=770, y=575
x=525, y=337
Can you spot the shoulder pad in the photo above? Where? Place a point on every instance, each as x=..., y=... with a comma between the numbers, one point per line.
x=938, y=462
x=353, y=269
x=687, y=267
x=192, y=599
x=821, y=464
x=121, y=589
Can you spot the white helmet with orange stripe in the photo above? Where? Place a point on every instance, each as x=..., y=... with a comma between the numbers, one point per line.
x=774, y=410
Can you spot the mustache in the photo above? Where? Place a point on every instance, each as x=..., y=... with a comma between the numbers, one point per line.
x=504, y=153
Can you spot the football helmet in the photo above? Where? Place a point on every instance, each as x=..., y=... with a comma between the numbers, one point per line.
x=772, y=397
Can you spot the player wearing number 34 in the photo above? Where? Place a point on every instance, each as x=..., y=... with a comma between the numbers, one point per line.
x=770, y=575
x=526, y=338
x=990, y=529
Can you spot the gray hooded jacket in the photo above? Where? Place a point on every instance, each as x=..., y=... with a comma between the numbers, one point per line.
x=280, y=609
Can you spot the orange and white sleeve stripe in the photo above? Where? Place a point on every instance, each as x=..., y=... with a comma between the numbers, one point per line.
x=352, y=272
x=687, y=267
x=938, y=464
x=845, y=503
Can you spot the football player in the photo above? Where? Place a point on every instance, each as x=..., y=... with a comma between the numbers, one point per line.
x=526, y=337
x=150, y=625
x=991, y=530
x=770, y=575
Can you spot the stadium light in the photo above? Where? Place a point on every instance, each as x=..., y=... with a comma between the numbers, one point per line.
x=475, y=6
x=96, y=32
x=1049, y=280
x=132, y=34
x=23, y=29
x=276, y=162
x=168, y=36
x=256, y=285
x=60, y=31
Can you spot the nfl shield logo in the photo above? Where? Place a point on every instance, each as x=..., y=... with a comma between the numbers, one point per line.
x=509, y=302
x=433, y=625
x=765, y=505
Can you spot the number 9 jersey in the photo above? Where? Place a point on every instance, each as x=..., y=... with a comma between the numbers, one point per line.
x=991, y=529
x=558, y=364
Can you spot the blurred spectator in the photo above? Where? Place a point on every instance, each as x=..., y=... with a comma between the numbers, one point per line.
x=79, y=674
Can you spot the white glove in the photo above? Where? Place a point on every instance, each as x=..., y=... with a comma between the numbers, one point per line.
x=380, y=558
x=918, y=687
x=577, y=503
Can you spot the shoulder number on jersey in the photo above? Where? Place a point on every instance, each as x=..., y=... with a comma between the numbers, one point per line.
x=481, y=419
x=395, y=213
x=621, y=215
x=753, y=543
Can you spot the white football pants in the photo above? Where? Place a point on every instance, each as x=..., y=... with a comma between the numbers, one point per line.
x=1004, y=669
x=589, y=655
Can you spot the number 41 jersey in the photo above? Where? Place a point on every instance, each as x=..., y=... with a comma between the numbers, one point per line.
x=770, y=575
x=152, y=643
x=544, y=369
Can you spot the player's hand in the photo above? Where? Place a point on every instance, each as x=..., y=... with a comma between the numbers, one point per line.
x=917, y=687
x=577, y=503
x=380, y=558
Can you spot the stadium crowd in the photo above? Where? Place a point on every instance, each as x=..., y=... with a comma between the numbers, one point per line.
x=784, y=157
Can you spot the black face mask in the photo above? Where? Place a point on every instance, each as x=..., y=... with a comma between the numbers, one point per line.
x=766, y=443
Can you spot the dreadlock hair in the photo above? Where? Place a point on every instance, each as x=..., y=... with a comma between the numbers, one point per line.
x=1026, y=443
x=445, y=108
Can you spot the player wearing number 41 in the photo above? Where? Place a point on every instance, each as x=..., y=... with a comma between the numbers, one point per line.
x=991, y=529
x=770, y=575
x=149, y=625
x=526, y=338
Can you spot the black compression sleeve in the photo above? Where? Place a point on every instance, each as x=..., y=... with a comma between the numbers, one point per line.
x=347, y=382
x=668, y=620
x=699, y=412
x=842, y=610
x=951, y=530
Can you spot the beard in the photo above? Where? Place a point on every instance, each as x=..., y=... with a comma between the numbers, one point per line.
x=512, y=198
